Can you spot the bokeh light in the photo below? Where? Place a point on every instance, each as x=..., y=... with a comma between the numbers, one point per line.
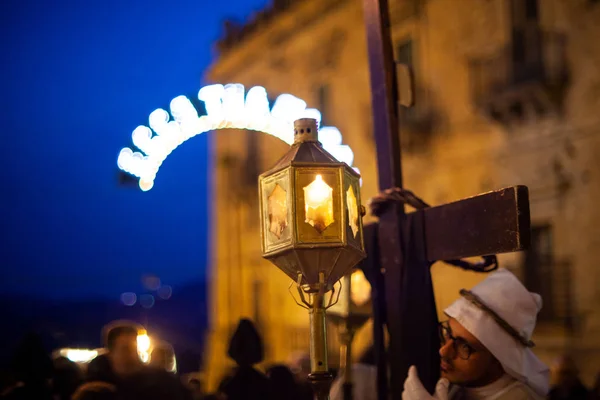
x=165, y=292
x=129, y=298
x=360, y=291
x=147, y=300
x=151, y=282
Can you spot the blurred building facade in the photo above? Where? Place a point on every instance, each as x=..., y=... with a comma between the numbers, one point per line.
x=507, y=92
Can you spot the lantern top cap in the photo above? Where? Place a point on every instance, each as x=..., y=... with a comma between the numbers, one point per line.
x=306, y=130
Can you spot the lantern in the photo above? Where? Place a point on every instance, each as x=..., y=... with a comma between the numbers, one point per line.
x=312, y=230
x=351, y=312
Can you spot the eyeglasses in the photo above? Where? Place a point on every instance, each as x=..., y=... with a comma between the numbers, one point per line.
x=461, y=347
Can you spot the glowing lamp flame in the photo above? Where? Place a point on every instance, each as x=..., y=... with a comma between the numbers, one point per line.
x=318, y=204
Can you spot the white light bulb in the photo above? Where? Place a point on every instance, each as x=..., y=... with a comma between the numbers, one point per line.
x=141, y=138
x=288, y=108
x=341, y=153
x=233, y=102
x=79, y=355
x=183, y=110
x=257, y=103
x=314, y=114
x=158, y=120
x=137, y=164
x=124, y=159
x=330, y=136
x=212, y=97
x=146, y=185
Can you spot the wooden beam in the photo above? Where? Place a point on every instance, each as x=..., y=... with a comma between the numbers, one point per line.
x=491, y=223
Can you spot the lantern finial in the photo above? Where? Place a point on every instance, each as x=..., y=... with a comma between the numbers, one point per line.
x=306, y=130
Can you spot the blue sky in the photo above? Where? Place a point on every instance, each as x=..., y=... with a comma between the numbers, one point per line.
x=76, y=78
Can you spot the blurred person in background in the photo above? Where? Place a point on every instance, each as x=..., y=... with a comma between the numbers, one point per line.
x=195, y=387
x=567, y=385
x=246, y=349
x=163, y=357
x=364, y=379
x=68, y=376
x=33, y=371
x=153, y=384
x=121, y=342
x=107, y=372
x=300, y=366
x=96, y=391
x=283, y=383
x=100, y=370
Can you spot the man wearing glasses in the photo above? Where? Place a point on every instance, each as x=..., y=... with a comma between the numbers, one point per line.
x=486, y=346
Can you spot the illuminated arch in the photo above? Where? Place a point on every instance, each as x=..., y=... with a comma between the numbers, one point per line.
x=226, y=106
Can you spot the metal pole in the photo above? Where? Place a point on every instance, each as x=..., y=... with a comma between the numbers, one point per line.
x=319, y=377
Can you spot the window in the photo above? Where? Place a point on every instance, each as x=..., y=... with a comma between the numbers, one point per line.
x=323, y=100
x=539, y=268
x=405, y=53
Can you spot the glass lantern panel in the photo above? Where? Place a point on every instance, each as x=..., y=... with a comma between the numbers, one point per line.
x=318, y=204
x=352, y=210
x=277, y=209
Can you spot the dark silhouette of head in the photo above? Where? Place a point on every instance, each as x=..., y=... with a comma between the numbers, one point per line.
x=283, y=382
x=96, y=391
x=121, y=342
x=163, y=356
x=67, y=377
x=31, y=363
x=100, y=369
x=246, y=347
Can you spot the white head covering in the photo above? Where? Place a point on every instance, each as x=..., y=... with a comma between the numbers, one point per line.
x=502, y=294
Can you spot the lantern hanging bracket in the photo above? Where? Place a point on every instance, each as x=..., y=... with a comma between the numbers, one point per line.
x=305, y=303
x=339, y=291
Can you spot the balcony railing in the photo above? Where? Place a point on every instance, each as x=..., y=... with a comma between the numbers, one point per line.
x=542, y=61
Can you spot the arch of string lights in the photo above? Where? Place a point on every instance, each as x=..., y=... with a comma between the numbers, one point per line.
x=225, y=106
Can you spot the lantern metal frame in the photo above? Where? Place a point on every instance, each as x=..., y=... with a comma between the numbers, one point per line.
x=315, y=247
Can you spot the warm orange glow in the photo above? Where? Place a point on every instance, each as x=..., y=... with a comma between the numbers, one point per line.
x=360, y=288
x=277, y=209
x=352, y=210
x=318, y=204
x=143, y=346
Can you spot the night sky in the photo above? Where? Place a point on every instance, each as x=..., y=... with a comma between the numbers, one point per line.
x=77, y=77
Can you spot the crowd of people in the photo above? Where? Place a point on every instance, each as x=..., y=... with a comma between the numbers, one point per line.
x=120, y=374
x=486, y=353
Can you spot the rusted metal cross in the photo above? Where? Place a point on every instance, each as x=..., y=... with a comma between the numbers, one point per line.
x=492, y=223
